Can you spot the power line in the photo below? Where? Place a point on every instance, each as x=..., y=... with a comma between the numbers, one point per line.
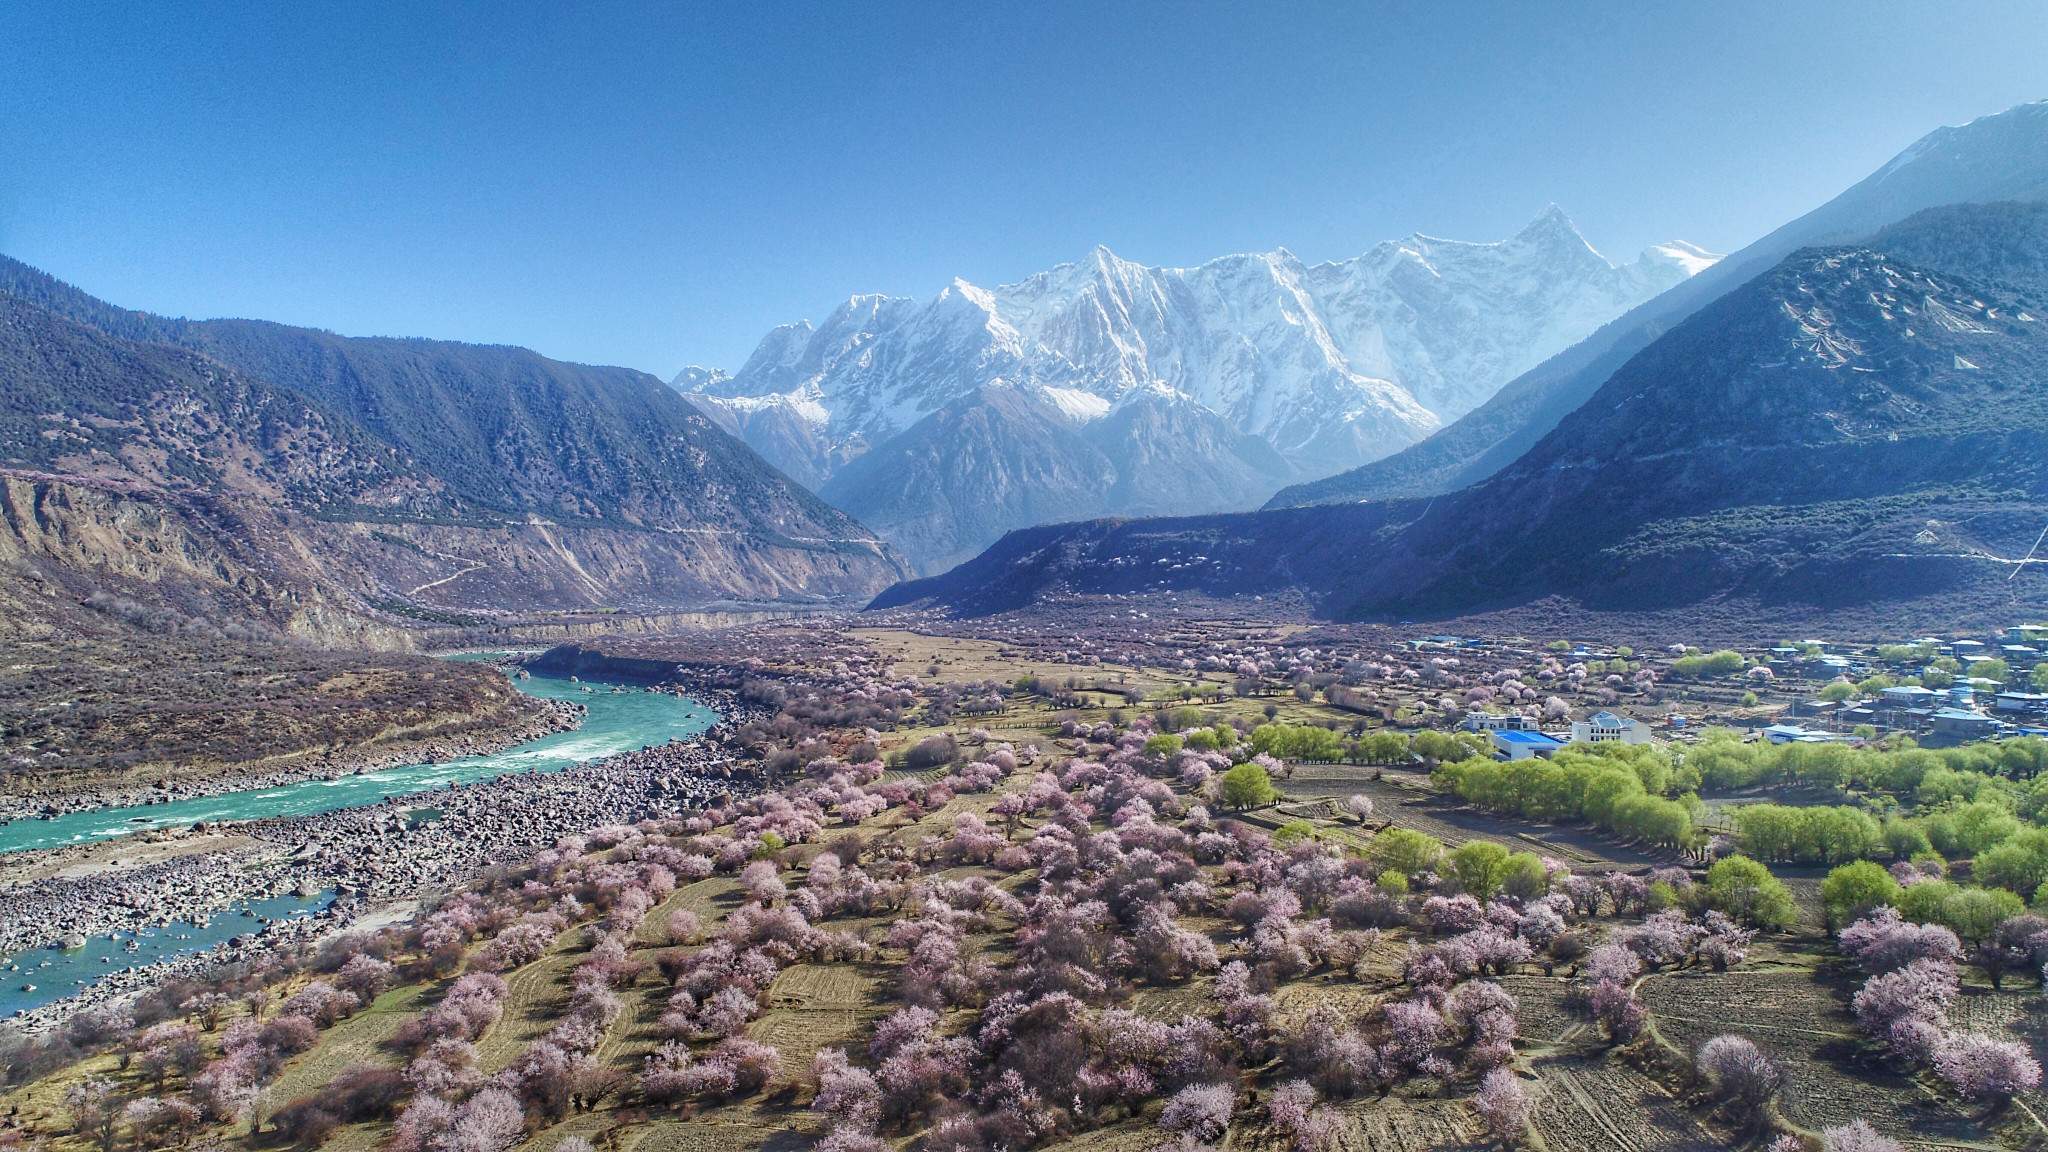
x=2030, y=554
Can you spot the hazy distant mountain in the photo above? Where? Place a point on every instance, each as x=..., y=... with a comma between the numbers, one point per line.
x=1323, y=367
x=2001, y=157
x=1845, y=428
x=414, y=475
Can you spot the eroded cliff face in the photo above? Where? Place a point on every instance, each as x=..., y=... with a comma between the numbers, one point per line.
x=373, y=585
x=493, y=571
x=163, y=564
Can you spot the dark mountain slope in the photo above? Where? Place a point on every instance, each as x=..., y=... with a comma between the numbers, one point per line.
x=497, y=480
x=2006, y=242
x=507, y=429
x=1995, y=158
x=1843, y=428
x=79, y=401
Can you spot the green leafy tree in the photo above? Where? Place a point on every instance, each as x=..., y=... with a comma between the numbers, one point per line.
x=1837, y=691
x=2039, y=678
x=1725, y=662
x=1293, y=832
x=2020, y=863
x=1974, y=912
x=1745, y=891
x=1162, y=746
x=1247, y=786
x=1993, y=669
x=1526, y=877
x=1405, y=852
x=1854, y=889
x=1480, y=866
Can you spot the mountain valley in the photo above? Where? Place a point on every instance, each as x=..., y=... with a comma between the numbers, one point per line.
x=1845, y=428
x=1109, y=387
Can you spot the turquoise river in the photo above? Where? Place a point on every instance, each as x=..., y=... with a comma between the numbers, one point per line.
x=621, y=717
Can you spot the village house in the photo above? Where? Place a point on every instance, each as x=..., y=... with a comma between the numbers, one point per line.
x=1607, y=726
x=1499, y=722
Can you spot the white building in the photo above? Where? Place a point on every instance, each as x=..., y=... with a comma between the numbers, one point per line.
x=1908, y=696
x=1499, y=722
x=1607, y=726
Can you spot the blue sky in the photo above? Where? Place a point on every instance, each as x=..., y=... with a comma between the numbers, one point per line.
x=658, y=184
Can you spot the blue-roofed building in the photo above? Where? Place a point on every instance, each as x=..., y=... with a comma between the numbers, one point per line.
x=1513, y=744
x=1971, y=724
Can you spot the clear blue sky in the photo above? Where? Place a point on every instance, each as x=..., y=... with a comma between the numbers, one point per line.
x=658, y=184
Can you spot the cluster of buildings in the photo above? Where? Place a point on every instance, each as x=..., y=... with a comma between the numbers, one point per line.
x=1972, y=708
x=1517, y=737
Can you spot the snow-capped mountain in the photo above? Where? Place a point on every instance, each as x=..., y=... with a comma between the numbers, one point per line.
x=1275, y=370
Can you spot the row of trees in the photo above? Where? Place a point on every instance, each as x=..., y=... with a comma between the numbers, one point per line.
x=1615, y=786
x=1721, y=760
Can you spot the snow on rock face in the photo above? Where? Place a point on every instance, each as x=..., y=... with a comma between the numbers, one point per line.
x=1331, y=366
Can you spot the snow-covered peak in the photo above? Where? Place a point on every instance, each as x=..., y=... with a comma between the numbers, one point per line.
x=1678, y=257
x=1332, y=365
x=695, y=379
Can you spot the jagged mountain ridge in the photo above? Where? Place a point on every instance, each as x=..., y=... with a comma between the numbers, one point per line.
x=1993, y=158
x=399, y=476
x=1845, y=428
x=1327, y=365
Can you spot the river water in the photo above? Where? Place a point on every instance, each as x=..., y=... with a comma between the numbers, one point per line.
x=618, y=721
x=40, y=975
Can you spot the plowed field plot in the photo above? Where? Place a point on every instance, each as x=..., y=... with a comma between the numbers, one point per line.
x=837, y=987
x=357, y=1040
x=712, y=1136
x=357, y=1137
x=1596, y=1103
x=2015, y=1013
x=1397, y=1125
x=536, y=998
x=1294, y=1001
x=710, y=899
x=1540, y=1010
x=815, y=1006
x=626, y=1040
x=1800, y=1021
x=1130, y=1136
x=1195, y=998
x=590, y=1126
x=1388, y=959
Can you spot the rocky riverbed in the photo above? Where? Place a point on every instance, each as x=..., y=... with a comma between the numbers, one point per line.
x=395, y=848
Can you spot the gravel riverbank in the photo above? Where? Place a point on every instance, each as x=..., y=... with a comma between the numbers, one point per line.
x=400, y=847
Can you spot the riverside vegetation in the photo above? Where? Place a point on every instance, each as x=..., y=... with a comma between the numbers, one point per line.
x=977, y=914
